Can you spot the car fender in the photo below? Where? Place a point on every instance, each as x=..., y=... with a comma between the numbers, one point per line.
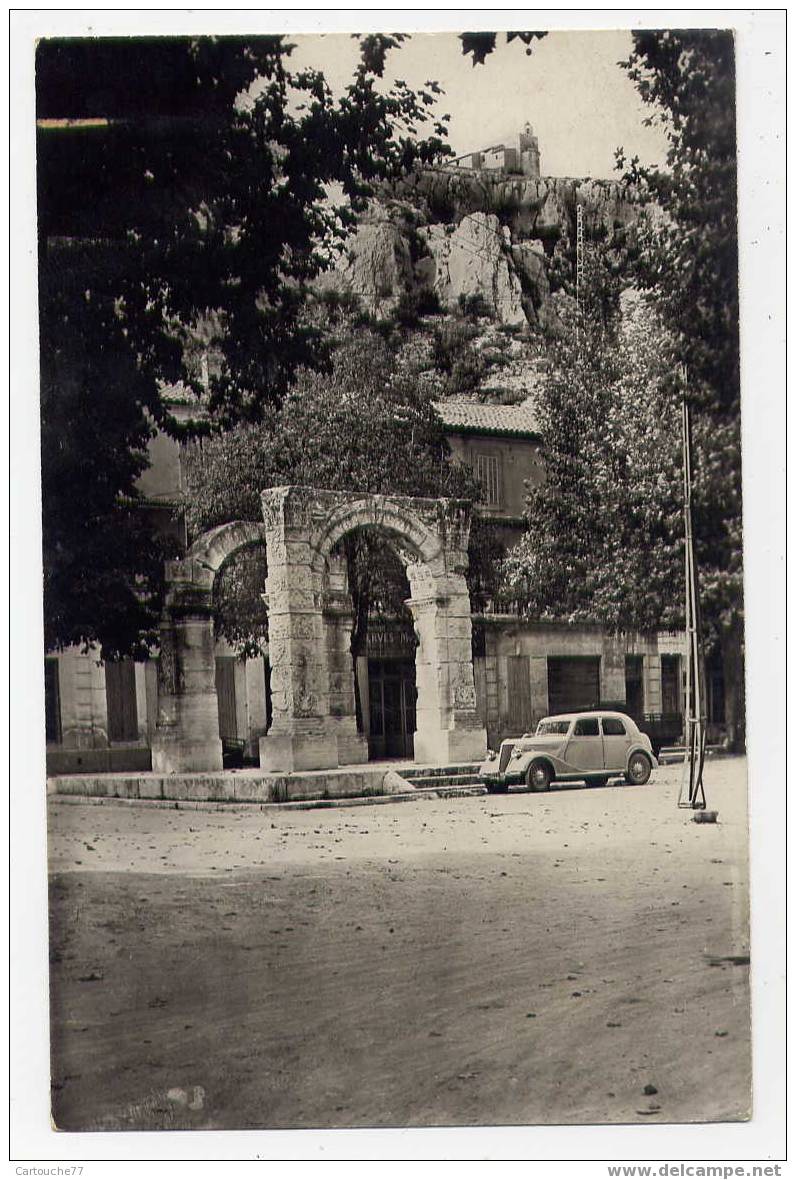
x=520, y=765
x=640, y=748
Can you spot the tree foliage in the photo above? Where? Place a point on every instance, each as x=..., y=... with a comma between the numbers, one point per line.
x=361, y=427
x=604, y=530
x=228, y=211
x=103, y=561
x=689, y=264
x=480, y=45
x=209, y=214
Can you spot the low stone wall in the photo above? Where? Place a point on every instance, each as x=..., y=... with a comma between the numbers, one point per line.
x=111, y=759
x=235, y=786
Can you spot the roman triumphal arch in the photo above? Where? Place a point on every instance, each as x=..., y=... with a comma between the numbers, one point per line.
x=309, y=628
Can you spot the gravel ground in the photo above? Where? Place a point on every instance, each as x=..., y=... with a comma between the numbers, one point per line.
x=574, y=957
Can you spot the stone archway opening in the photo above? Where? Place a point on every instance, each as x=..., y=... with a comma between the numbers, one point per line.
x=366, y=572
x=242, y=668
x=313, y=710
x=187, y=734
x=314, y=715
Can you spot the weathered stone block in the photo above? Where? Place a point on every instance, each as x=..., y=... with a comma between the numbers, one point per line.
x=298, y=752
x=181, y=755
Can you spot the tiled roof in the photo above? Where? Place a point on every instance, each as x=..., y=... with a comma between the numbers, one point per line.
x=477, y=418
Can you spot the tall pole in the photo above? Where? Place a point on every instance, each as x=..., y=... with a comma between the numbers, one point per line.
x=692, y=791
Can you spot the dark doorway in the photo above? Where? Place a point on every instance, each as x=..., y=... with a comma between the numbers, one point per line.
x=670, y=684
x=227, y=699
x=392, y=698
x=714, y=674
x=519, y=693
x=573, y=682
x=634, y=685
x=121, y=701
x=52, y=700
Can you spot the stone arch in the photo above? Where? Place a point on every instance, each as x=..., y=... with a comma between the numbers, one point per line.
x=386, y=513
x=217, y=545
x=303, y=525
x=186, y=735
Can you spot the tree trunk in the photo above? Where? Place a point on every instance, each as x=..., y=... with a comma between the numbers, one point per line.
x=732, y=657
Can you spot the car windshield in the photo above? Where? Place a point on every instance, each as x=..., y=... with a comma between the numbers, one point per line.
x=551, y=727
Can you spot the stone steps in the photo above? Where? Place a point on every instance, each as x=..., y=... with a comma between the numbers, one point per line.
x=411, y=772
x=434, y=782
x=415, y=796
x=424, y=778
x=669, y=755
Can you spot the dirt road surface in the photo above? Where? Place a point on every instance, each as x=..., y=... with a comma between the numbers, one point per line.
x=579, y=956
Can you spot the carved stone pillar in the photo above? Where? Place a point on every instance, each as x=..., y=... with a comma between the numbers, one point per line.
x=352, y=746
x=449, y=729
x=186, y=735
x=301, y=736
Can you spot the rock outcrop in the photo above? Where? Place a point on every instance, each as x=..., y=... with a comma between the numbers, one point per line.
x=473, y=261
x=530, y=208
x=504, y=242
x=377, y=266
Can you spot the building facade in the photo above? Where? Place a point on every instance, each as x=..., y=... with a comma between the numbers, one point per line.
x=502, y=445
x=103, y=717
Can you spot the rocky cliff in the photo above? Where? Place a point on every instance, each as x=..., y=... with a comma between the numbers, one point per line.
x=506, y=241
x=543, y=208
x=477, y=265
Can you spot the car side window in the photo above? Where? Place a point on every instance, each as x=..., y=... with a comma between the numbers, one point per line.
x=613, y=727
x=586, y=727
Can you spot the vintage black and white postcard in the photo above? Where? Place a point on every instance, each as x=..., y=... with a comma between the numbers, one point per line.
x=394, y=636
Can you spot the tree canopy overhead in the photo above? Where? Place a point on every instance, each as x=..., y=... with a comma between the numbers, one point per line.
x=217, y=182
x=209, y=210
x=689, y=266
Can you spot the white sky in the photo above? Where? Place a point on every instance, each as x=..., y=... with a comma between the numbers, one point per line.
x=571, y=89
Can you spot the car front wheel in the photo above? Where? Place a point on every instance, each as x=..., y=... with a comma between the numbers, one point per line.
x=538, y=777
x=639, y=769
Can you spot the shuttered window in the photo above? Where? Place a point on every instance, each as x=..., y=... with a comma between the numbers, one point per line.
x=487, y=470
x=121, y=701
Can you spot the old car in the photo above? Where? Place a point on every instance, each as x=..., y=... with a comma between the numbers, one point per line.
x=590, y=747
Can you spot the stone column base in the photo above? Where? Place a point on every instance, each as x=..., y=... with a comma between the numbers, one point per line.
x=183, y=756
x=298, y=752
x=449, y=747
x=352, y=750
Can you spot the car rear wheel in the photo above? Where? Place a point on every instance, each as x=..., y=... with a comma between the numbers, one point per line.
x=538, y=776
x=639, y=769
x=597, y=780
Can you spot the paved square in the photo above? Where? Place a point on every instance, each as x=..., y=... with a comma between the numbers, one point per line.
x=570, y=957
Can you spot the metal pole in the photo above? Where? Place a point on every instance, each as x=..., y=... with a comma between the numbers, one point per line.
x=692, y=795
x=578, y=268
